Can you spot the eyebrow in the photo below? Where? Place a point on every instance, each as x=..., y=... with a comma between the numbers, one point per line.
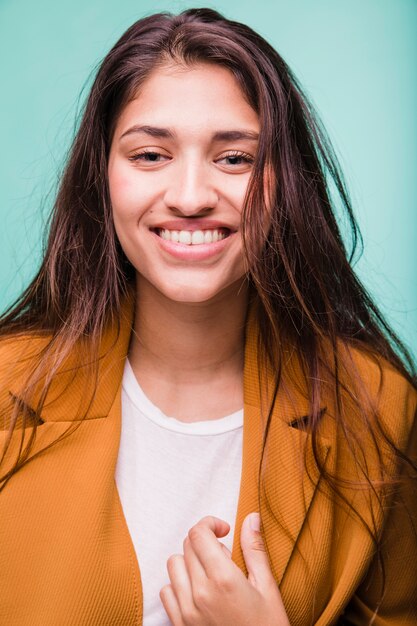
x=165, y=133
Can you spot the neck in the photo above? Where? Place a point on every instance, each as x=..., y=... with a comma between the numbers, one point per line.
x=182, y=352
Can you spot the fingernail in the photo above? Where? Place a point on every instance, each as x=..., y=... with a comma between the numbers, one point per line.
x=255, y=522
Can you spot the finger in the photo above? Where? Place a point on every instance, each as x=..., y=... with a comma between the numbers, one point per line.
x=195, y=570
x=226, y=551
x=171, y=606
x=180, y=583
x=207, y=548
x=218, y=526
x=254, y=552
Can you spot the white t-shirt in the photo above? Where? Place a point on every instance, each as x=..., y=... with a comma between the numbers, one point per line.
x=169, y=475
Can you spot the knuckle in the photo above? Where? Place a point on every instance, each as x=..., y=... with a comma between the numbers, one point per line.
x=258, y=544
x=190, y=615
x=205, y=522
x=201, y=597
x=194, y=534
x=222, y=582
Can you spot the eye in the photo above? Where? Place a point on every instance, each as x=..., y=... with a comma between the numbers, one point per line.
x=148, y=156
x=237, y=159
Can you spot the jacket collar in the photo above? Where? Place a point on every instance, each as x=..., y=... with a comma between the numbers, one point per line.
x=71, y=393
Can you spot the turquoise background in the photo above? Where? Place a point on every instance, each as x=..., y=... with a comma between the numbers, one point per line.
x=355, y=59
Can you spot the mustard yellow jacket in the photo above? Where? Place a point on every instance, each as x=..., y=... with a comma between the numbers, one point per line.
x=66, y=556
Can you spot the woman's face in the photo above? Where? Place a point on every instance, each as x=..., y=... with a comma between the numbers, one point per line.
x=179, y=166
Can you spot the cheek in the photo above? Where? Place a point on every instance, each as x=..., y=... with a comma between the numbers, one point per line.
x=121, y=190
x=234, y=193
x=127, y=197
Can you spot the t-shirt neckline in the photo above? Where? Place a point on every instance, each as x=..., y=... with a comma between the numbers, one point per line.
x=141, y=401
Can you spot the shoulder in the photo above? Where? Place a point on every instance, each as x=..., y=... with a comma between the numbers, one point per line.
x=382, y=382
x=19, y=355
x=18, y=352
x=382, y=391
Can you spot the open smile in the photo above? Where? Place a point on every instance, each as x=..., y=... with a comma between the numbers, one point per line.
x=193, y=237
x=198, y=244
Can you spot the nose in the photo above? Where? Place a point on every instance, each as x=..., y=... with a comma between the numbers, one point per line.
x=190, y=190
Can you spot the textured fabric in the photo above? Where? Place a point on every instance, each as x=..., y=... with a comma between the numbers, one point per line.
x=194, y=467
x=66, y=555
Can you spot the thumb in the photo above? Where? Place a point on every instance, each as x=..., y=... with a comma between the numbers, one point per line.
x=253, y=548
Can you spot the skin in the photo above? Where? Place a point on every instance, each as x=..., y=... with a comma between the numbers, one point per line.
x=188, y=339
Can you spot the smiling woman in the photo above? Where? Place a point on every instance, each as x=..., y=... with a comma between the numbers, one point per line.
x=206, y=420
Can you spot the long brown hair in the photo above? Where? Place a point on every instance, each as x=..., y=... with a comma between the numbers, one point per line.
x=304, y=290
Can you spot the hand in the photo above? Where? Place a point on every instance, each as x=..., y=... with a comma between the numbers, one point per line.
x=208, y=589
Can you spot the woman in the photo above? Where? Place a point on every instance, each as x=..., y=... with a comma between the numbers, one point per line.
x=194, y=269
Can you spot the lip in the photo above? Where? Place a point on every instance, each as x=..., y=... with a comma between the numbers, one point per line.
x=200, y=252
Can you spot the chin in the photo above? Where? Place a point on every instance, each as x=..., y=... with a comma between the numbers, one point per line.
x=191, y=289
x=191, y=295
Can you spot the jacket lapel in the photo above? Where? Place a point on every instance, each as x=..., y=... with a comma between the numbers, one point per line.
x=73, y=556
x=287, y=490
x=72, y=392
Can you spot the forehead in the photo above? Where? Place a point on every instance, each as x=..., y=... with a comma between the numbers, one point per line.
x=189, y=99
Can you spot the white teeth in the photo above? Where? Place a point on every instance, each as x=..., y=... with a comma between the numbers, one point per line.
x=184, y=236
x=195, y=237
